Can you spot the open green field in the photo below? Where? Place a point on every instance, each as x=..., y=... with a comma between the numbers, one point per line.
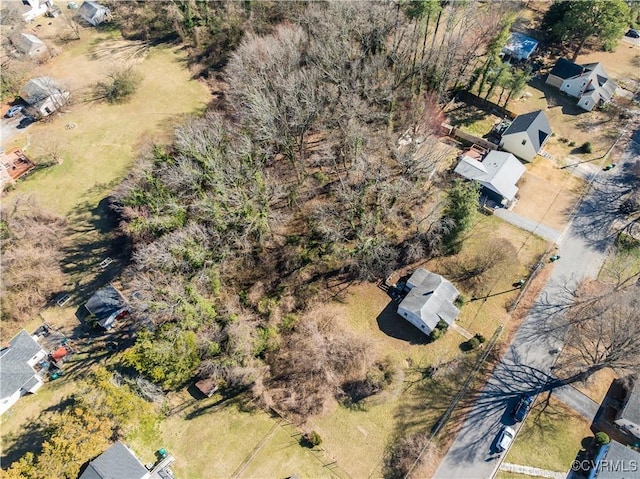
x=357, y=437
x=100, y=148
x=217, y=438
x=550, y=438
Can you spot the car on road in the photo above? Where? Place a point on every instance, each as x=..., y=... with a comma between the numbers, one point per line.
x=522, y=407
x=633, y=33
x=13, y=111
x=505, y=438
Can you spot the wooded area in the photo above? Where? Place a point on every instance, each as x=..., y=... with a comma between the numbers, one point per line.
x=296, y=183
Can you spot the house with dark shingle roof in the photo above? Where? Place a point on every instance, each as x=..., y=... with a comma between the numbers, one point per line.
x=44, y=95
x=17, y=374
x=628, y=418
x=430, y=300
x=106, y=306
x=589, y=83
x=616, y=461
x=119, y=462
x=526, y=135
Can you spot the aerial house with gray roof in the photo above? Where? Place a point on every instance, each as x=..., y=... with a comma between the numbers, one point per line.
x=17, y=374
x=497, y=172
x=430, y=300
x=526, y=135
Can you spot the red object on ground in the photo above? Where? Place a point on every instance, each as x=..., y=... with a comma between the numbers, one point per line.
x=59, y=353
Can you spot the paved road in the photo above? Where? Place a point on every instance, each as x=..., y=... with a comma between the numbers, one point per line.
x=8, y=128
x=526, y=364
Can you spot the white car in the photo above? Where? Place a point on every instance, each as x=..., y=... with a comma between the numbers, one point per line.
x=505, y=438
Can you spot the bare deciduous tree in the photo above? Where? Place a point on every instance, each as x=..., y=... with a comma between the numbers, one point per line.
x=31, y=242
x=603, y=332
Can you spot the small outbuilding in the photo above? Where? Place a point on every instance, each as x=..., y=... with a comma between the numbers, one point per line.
x=206, y=387
x=430, y=300
x=519, y=46
x=526, y=135
x=29, y=45
x=107, y=306
x=94, y=13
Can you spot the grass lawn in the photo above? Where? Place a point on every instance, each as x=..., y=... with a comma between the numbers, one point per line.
x=548, y=194
x=484, y=315
x=356, y=438
x=550, y=437
x=471, y=119
x=98, y=151
x=225, y=440
x=19, y=425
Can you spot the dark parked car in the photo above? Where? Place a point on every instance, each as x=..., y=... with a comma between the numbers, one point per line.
x=633, y=33
x=25, y=122
x=522, y=407
x=13, y=111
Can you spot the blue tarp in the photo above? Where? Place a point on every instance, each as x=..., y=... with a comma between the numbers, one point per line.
x=520, y=46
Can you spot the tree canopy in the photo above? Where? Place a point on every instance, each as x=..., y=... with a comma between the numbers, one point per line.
x=577, y=21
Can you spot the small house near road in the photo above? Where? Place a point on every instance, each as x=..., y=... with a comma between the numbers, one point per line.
x=430, y=300
x=519, y=47
x=526, y=135
x=107, y=305
x=29, y=45
x=496, y=171
x=589, y=83
x=119, y=462
x=17, y=374
x=44, y=95
x=94, y=13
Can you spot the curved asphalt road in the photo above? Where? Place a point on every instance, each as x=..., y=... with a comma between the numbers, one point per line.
x=526, y=365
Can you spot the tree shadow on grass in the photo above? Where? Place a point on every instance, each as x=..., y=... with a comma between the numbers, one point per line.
x=93, y=236
x=30, y=436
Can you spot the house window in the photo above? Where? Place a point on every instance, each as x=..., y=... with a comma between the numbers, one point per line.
x=524, y=142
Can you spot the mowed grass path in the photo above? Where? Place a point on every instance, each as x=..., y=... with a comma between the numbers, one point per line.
x=100, y=149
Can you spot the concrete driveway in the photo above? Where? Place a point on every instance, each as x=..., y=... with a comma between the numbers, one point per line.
x=9, y=128
x=526, y=365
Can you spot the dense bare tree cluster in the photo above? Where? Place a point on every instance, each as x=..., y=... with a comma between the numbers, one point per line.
x=314, y=364
x=298, y=180
x=31, y=242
